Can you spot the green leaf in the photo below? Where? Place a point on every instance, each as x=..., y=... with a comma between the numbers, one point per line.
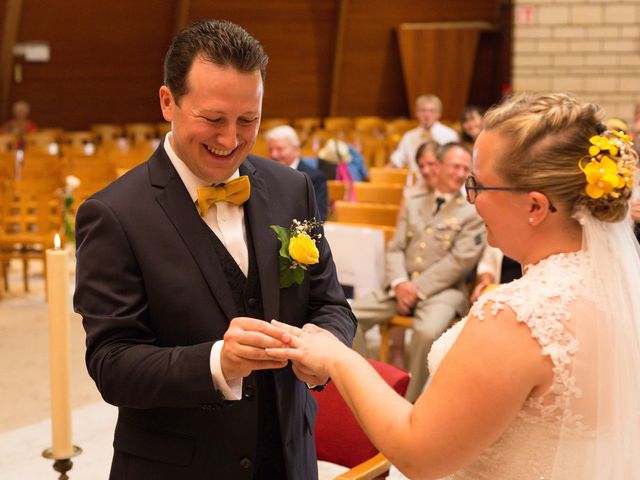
x=284, y=236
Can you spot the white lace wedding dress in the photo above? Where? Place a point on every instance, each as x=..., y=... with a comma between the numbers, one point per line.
x=547, y=299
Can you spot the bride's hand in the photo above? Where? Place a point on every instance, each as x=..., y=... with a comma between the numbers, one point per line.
x=311, y=347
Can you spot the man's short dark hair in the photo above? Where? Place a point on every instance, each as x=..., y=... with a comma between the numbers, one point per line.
x=217, y=41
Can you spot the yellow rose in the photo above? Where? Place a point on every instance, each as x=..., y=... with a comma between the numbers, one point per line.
x=303, y=249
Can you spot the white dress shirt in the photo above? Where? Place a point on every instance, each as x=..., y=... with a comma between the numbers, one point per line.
x=227, y=222
x=405, y=154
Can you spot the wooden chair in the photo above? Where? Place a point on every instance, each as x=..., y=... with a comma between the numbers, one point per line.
x=79, y=142
x=43, y=141
x=31, y=216
x=267, y=124
x=366, y=213
x=307, y=124
x=336, y=190
x=106, y=133
x=373, y=149
x=125, y=161
x=340, y=439
x=370, y=125
x=8, y=143
x=400, y=126
x=41, y=166
x=139, y=132
x=94, y=172
x=388, y=329
x=338, y=126
x=390, y=193
x=7, y=165
x=141, y=138
x=388, y=175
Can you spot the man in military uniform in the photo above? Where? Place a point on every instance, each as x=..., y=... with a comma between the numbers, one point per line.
x=438, y=239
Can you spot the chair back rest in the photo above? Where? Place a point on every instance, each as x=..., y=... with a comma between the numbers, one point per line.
x=366, y=213
x=379, y=192
x=339, y=437
x=388, y=175
x=33, y=207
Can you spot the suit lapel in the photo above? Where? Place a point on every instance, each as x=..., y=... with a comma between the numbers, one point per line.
x=265, y=242
x=177, y=205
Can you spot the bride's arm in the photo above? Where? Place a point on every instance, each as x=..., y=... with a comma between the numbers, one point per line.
x=477, y=391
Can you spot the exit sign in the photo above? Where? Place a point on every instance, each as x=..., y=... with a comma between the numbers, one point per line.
x=525, y=15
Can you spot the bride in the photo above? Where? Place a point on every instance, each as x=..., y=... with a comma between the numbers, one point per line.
x=542, y=379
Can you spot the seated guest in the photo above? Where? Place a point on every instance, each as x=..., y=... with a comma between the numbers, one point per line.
x=439, y=238
x=471, y=124
x=494, y=268
x=284, y=147
x=340, y=161
x=428, y=167
x=20, y=124
x=428, y=112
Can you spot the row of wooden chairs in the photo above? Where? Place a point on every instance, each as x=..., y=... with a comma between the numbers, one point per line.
x=31, y=213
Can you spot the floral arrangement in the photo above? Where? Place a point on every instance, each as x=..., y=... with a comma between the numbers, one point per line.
x=70, y=184
x=609, y=167
x=298, y=250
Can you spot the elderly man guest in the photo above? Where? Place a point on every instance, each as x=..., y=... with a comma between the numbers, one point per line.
x=284, y=147
x=174, y=288
x=439, y=238
x=428, y=112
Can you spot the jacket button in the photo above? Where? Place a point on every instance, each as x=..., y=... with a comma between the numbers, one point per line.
x=249, y=391
x=245, y=463
x=252, y=302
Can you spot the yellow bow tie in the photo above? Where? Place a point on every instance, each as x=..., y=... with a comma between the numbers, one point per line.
x=236, y=191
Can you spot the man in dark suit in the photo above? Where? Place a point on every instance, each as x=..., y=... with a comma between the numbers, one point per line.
x=174, y=296
x=284, y=147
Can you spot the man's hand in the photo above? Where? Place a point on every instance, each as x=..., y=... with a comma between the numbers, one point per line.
x=244, y=344
x=635, y=210
x=484, y=281
x=406, y=297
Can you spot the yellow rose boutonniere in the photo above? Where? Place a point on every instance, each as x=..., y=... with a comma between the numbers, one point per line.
x=298, y=250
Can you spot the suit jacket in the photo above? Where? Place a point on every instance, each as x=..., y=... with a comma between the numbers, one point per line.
x=319, y=182
x=154, y=299
x=435, y=251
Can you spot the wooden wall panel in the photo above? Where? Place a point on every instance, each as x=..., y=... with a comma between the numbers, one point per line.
x=106, y=61
x=371, y=74
x=299, y=37
x=106, y=57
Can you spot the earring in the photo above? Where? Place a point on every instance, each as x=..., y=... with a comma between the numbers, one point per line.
x=530, y=220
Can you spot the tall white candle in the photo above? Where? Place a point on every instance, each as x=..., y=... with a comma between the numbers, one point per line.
x=59, y=350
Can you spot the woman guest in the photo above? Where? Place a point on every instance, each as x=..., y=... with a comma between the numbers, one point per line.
x=542, y=379
x=20, y=124
x=471, y=124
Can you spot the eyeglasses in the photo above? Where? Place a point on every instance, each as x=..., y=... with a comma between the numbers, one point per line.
x=471, y=188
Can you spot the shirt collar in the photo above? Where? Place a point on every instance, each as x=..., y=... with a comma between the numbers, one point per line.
x=295, y=164
x=191, y=180
x=446, y=196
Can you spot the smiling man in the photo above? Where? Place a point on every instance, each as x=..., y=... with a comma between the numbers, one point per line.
x=178, y=278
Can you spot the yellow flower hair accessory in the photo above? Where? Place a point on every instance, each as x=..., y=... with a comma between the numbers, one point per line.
x=610, y=166
x=298, y=250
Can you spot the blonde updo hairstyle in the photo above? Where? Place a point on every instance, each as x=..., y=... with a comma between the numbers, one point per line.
x=547, y=135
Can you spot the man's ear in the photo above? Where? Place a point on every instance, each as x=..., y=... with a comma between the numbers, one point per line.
x=166, y=103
